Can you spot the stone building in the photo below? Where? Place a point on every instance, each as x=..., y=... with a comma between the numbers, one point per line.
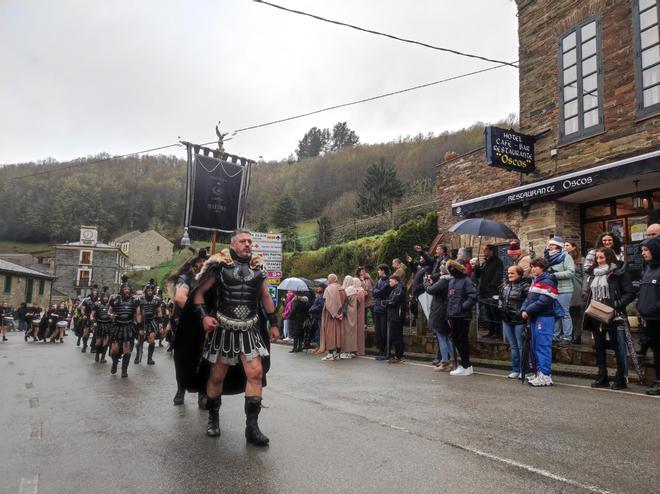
x=80, y=265
x=20, y=284
x=590, y=95
x=145, y=249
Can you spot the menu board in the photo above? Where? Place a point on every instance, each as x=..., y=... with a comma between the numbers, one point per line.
x=637, y=228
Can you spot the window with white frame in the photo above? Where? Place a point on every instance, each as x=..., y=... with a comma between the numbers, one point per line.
x=580, y=96
x=84, y=277
x=647, y=51
x=85, y=257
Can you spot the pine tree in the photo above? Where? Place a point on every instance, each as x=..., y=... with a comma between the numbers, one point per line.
x=342, y=137
x=381, y=188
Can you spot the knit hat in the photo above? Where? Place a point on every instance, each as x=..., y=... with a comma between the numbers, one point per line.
x=514, y=248
x=556, y=241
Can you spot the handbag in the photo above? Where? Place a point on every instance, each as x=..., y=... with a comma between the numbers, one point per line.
x=600, y=311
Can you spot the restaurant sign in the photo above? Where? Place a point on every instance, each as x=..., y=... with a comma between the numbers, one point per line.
x=510, y=150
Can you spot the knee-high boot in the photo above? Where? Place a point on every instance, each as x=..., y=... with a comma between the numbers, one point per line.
x=138, y=351
x=125, y=360
x=97, y=355
x=252, y=433
x=150, y=354
x=115, y=363
x=84, y=348
x=102, y=350
x=213, y=425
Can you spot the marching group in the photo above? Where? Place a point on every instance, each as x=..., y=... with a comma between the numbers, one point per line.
x=530, y=304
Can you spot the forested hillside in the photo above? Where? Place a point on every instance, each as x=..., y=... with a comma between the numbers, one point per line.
x=121, y=195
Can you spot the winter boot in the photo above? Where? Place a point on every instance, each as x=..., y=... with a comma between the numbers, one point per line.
x=78, y=342
x=150, y=354
x=103, y=349
x=125, y=360
x=179, y=396
x=115, y=362
x=138, y=353
x=252, y=433
x=84, y=348
x=98, y=355
x=619, y=382
x=602, y=381
x=213, y=426
x=654, y=389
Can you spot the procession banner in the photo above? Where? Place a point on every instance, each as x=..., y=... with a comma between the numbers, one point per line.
x=215, y=194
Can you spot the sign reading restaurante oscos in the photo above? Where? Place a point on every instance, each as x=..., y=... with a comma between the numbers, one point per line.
x=510, y=150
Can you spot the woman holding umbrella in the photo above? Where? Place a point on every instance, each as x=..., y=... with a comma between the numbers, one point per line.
x=297, y=317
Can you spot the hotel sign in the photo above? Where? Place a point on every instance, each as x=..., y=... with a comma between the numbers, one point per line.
x=510, y=150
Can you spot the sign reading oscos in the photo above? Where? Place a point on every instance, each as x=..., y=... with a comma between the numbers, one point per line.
x=510, y=150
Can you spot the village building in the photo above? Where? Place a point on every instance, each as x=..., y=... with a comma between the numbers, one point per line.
x=144, y=249
x=20, y=284
x=81, y=265
x=589, y=76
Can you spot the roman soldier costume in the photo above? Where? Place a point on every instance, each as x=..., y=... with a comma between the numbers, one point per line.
x=103, y=324
x=150, y=309
x=124, y=307
x=86, y=307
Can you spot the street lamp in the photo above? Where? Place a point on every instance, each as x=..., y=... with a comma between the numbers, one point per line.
x=637, y=200
x=185, y=240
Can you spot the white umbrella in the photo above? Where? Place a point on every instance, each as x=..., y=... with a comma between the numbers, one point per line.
x=293, y=284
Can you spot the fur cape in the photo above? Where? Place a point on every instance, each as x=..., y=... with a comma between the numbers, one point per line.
x=192, y=369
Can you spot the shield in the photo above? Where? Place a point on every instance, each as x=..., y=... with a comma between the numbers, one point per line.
x=294, y=285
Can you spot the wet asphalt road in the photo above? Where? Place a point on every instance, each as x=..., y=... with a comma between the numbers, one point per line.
x=68, y=426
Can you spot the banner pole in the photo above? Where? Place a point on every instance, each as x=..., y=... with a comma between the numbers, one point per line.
x=213, y=241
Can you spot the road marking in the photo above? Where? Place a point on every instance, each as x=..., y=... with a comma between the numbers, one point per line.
x=501, y=376
x=34, y=402
x=29, y=486
x=35, y=432
x=512, y=463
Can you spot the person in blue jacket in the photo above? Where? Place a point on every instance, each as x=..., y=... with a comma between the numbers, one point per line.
x=541, y=308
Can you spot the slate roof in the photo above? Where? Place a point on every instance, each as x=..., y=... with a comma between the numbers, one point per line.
x=127, y=236
x=18, y=270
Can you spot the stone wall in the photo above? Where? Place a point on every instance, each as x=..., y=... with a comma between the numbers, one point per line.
x=540, y=24
x=149, y=248
x=18, y=291
x=104, y=269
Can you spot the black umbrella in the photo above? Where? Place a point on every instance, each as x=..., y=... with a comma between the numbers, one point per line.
x=482, y=227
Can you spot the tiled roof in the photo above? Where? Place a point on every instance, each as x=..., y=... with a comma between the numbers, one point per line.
x=16, y=269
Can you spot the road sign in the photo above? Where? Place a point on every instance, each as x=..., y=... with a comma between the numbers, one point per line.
x=274, y=281
x=269, y=246
x=274, y=274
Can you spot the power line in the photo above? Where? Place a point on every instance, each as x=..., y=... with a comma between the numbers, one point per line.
x=391, y=36
x=365, y=100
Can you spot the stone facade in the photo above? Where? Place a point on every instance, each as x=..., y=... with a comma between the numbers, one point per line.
x=145, y=249
x=107, y=266
x=19, y=284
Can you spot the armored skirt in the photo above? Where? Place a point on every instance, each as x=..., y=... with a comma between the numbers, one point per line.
x=233, y=338
x=150, y=326
x=124, y=333
x=104, y=329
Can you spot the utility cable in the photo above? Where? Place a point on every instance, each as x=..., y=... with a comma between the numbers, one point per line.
x=365, y=100
x=391, y=36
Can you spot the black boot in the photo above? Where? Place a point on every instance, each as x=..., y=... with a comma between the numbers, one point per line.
x=84, y=348
x=252, y=433
x=78, y=342
x=179, y=396
x=97, y=357
x=138, y=353
x=150, y=354
x=619, y=382
x=213, y=426
x=125, y=360
x=115, y=362
x=103, y=349
x=602, y=381
x=202, y=401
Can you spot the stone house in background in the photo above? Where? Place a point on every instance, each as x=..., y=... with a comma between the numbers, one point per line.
x=145, y=249
x=20, y=284
x=80, y=265
x=590, y=95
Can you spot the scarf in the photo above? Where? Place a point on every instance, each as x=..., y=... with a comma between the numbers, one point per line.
x=555, y=258
x=600, y=288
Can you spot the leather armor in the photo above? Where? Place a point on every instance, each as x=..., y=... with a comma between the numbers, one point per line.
x=124, y=308
x=101, y=312
x=238, y=290
x=149, y=307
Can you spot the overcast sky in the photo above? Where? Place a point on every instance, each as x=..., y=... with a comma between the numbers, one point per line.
x=80, y=77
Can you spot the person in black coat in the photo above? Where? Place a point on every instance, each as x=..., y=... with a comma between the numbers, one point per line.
x=648, y=303
x=512, y=295
x=461, y=297
x=438, y=319
x=608, y=282
x=489, y=276
x=381, y=291
x=297, y=317
x=396, y=316
x=316, y=312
